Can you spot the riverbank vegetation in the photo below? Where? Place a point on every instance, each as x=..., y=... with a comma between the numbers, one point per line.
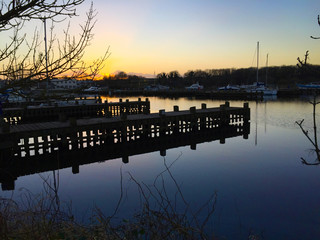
x=281, y=76
x=162, y=214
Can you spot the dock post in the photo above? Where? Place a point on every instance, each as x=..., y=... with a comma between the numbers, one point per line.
x=246, y=119
x=246, y=114
x=193, y=146
x=75, y=169
x=125, y=159
x=147, y=107
x=193, y=121
x=163, y=152
x=224, y=116
x=162, y=112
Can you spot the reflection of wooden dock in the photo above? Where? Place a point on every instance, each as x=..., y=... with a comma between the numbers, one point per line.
x=20, y=166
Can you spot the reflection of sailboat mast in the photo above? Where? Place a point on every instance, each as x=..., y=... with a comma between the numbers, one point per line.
x=265, y=116
x=256, y=135
x=267, y=69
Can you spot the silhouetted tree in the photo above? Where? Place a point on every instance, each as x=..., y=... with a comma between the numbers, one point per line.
x=174, y=75
x=24, y=60
x=302, y=64
x=121, y=75
x=162, y=75
x=189, y=74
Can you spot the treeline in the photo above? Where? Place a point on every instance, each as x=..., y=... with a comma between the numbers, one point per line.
x=280, y=76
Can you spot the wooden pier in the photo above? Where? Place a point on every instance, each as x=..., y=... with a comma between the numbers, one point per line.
x=30, y=139
x=28, y=114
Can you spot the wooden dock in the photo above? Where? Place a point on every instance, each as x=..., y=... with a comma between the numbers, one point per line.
x=31, y=114
x=30, y=139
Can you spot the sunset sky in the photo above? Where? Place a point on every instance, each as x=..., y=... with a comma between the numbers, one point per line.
x=153, y=36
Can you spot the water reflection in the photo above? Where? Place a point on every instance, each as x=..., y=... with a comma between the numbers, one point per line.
x=260, y=187
x=312, y=139
x=17, y=166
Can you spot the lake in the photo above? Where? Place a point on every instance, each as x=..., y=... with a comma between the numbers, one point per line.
x=260, y=184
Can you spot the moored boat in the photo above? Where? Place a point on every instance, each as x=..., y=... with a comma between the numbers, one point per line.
x=195, y=86
x=260, y=87
x=313, y=85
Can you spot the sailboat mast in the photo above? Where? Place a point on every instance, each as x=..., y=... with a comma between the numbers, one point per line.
x=257, y=63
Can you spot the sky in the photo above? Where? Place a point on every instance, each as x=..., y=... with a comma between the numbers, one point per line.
x=154, y=36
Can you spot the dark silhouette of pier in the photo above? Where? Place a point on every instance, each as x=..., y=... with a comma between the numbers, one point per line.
x=55, y=112
x=17, y=166
x=28, y=146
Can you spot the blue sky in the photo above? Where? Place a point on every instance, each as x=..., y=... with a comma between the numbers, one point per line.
x=147, y=36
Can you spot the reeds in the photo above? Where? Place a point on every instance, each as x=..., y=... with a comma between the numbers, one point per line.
x=162, y=215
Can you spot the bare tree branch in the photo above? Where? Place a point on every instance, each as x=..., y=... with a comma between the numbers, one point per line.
x=313, y=141
x=319, y=25
x=25, y=62
x=16, y=12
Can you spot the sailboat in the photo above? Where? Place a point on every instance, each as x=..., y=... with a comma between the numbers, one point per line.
x=260, y=86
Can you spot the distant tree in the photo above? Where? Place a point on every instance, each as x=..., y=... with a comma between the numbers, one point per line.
x=200, y=74
x=134, y=77
x=303, y=65
x=189, y=74
x=174, y=75
x=121, y=75
x=162, y=75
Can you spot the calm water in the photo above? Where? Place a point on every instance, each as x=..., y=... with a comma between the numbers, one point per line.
x=261, y=184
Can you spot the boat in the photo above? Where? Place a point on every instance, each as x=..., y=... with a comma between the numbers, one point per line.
x=156, y=88
x=92, y=89
x=313, y=85
x=13, y=96
x=260, y=87
x=229, y=88
x=195, y=86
